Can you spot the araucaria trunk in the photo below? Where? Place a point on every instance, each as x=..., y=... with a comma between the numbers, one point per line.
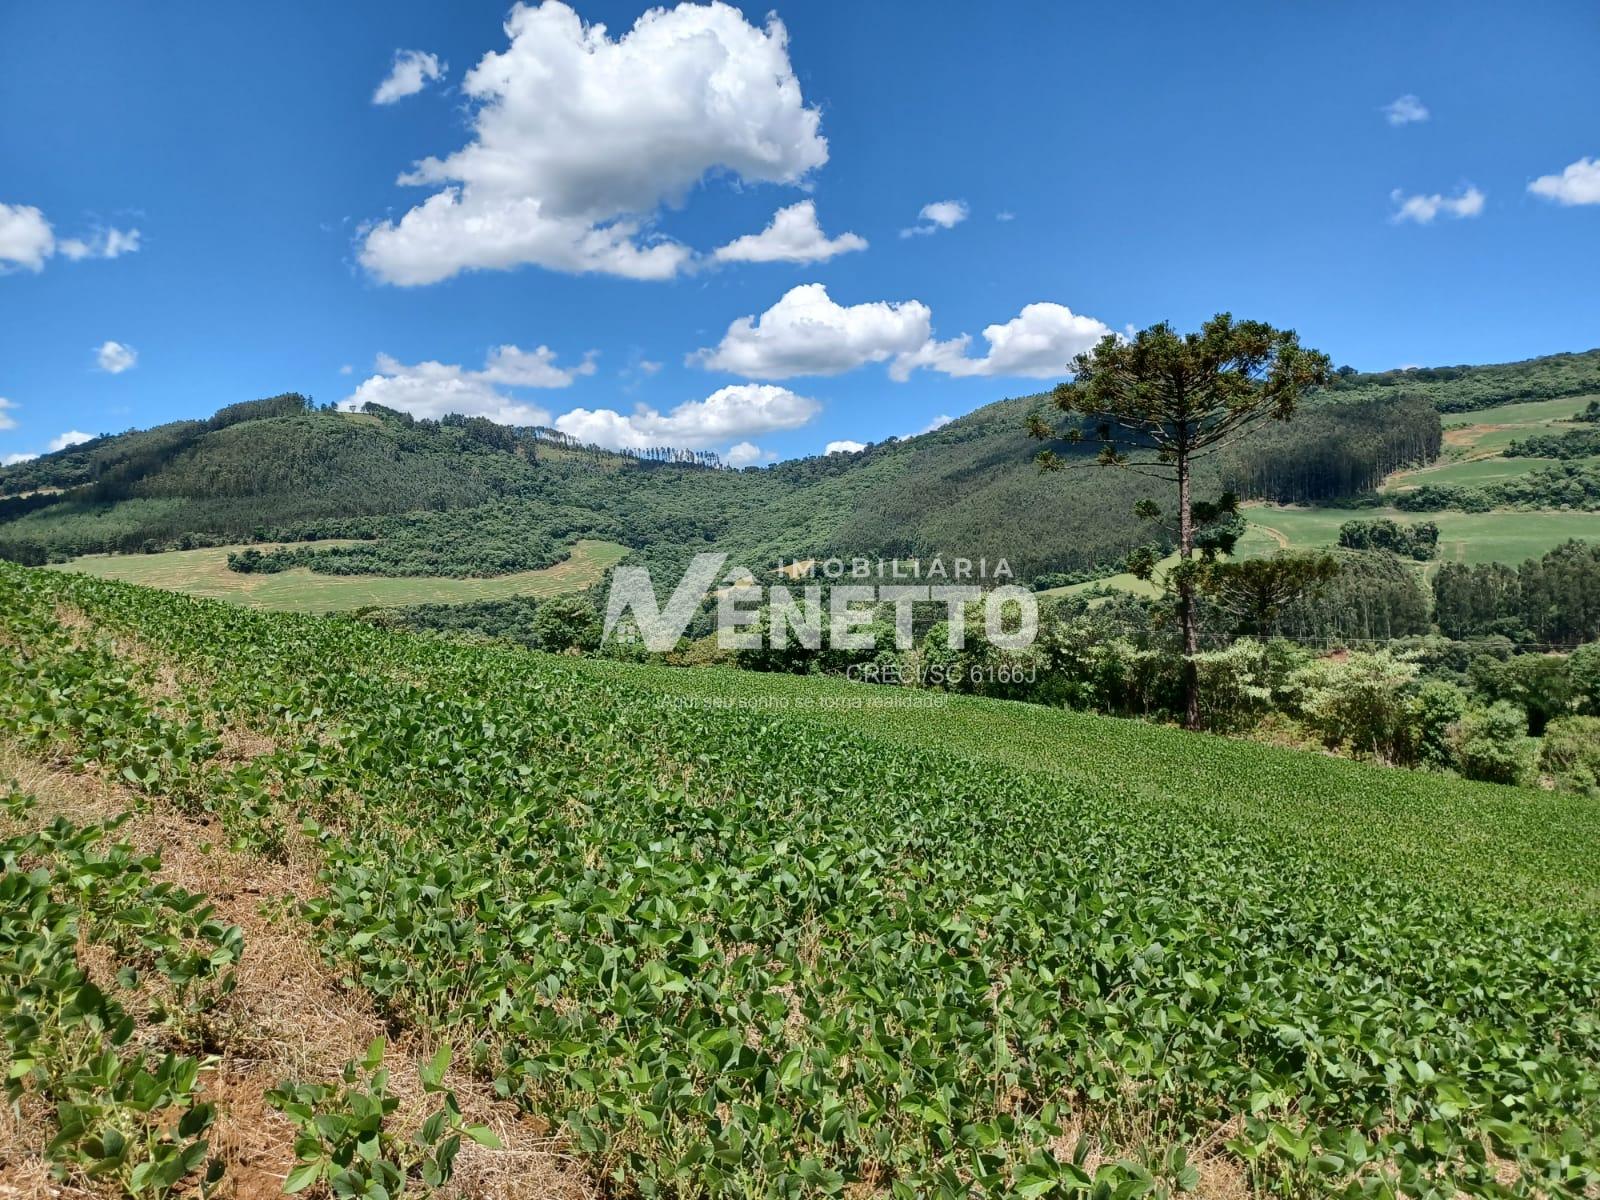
x=1187, y=618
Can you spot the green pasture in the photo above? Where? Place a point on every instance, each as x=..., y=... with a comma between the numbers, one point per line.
x=1504, y=536
x=205, y=573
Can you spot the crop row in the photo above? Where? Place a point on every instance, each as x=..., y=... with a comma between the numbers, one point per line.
x=117, y=1106
x=738, y=954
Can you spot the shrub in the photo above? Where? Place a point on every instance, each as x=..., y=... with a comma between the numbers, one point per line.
x=1243, y=683
x=1361, y=702
x=1492, y=744
x=702, y=652
x=1115, y=675
x=1537, y=683
x=1570, y=753
x=566, y=623
x=1583, y=673
x=1419, y=541
x=1434, y=709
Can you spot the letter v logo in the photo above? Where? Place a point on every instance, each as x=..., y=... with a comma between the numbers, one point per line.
x=631, y=587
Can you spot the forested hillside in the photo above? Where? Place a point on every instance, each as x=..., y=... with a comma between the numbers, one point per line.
x=465, y=497
x=468, y=498
x=1466, y=389
x=1334, y=449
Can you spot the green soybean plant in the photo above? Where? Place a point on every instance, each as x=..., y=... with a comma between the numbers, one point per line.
x=347, y=1140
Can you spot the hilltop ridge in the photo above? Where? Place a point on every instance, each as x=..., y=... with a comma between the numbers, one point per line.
x=466, y=497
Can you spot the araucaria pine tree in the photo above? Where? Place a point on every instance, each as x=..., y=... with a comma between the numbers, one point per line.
x=1160, y=402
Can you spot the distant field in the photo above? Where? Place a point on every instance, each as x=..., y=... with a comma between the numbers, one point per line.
x=205, y=573
x=1467, y=472
x=1463, y=537
x=1473, y=442
x=1531, y=411
x=1507, y=537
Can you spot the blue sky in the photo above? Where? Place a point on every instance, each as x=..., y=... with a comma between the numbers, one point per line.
x=213, y=190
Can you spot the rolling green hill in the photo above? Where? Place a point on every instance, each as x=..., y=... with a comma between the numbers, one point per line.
x=379, y=494
x=468, y=498
x=1468, y=389
x=462, y=499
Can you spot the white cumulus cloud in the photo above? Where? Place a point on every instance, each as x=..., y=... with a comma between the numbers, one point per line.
x=941, y=214
x=532, y=368
x=412, y=71
x=938, y=422
x=844, y=446
x=7, y=421
x=72, y=437
x=1404, y=110
x=434, y=389
x=793, y=236
x=102, y=243
x=741, y=411
x=114, y=358
x=1423, y=209
x=1038, y=343
x=11, y=460
x=26, y=238
x=807, y=333
x=579, y=139
x=747, y=454
x=1579, y=183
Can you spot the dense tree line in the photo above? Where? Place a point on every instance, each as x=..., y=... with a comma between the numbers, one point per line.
x=1569, y=485
x=673, y=455
x=1419, y=541
x=1552, y=600
x=1334, y=450
x=1574, y=443
x=559, y=624
x=289, y=404
x=1375, y=597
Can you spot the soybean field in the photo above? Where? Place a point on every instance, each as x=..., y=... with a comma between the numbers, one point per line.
x=742, y=935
